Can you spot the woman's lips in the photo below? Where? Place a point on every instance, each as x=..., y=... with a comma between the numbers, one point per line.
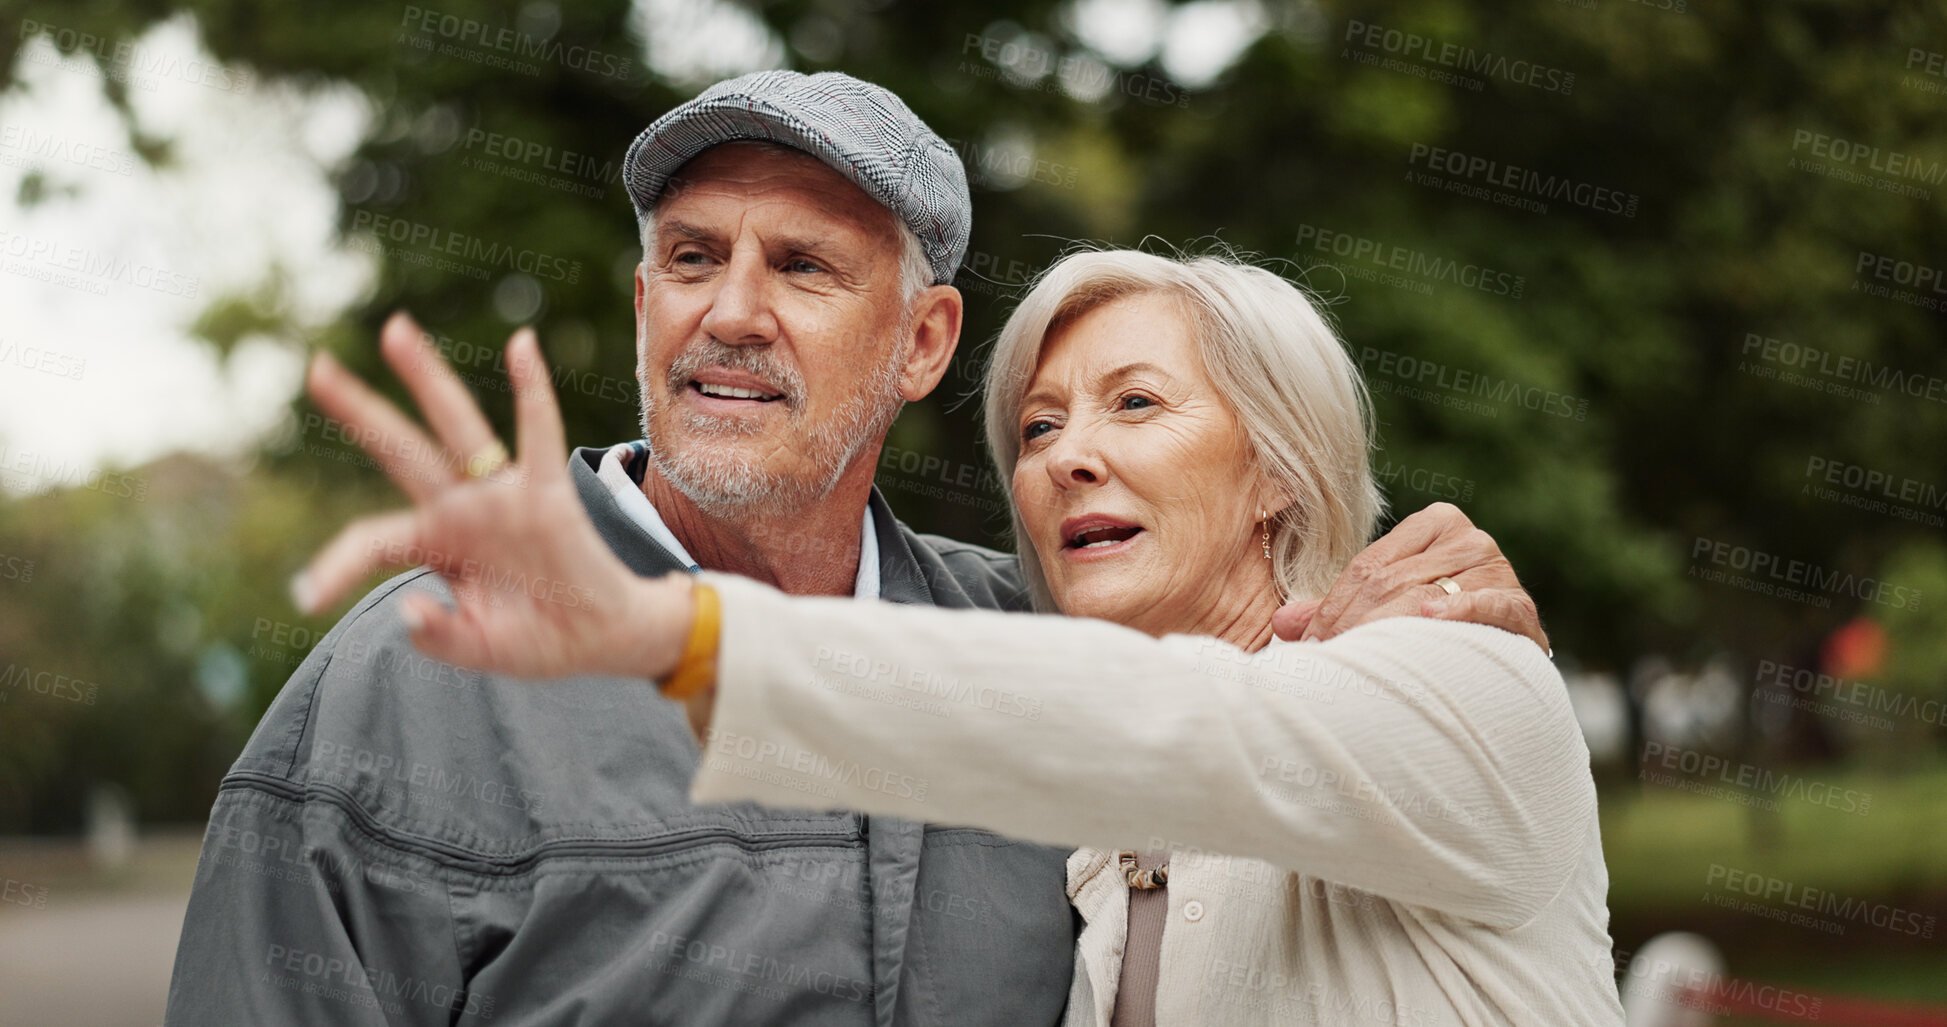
x=1100, y=542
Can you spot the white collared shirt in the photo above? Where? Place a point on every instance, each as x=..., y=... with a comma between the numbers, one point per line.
x=614, y=473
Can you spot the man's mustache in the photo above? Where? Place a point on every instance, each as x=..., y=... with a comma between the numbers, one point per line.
x=753, y=360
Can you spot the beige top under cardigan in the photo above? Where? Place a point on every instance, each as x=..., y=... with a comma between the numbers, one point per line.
x=1406, y=814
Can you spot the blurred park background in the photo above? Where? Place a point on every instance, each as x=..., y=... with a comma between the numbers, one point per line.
x=1652, y=289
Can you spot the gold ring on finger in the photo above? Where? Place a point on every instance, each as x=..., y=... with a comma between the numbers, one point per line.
x=1447, y=584
x=490, y=458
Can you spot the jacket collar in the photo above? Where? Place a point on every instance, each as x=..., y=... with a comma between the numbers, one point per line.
x=901, y=579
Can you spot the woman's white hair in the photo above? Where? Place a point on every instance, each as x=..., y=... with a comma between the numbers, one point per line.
x=1279, y=367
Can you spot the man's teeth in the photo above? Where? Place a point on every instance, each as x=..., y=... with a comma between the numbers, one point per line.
x=729, y=391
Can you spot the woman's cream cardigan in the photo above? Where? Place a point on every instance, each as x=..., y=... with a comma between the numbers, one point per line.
x=1394, y=828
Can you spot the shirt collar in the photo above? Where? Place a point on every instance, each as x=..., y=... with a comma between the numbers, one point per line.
x=614, y=473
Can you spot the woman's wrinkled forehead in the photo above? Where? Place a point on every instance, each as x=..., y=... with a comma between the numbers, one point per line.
x=1128, y=331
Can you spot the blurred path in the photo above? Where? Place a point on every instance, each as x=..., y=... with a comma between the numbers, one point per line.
x=81, y=946
x=101, y=960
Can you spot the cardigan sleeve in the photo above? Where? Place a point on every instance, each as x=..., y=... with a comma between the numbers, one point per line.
x=1424, y=761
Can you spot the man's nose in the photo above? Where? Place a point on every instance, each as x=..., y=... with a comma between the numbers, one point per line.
x=740, y=311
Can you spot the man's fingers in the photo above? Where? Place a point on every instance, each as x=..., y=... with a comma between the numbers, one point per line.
x=543, y=443
x=414, y=462
x=1448, y=546
x=448, y=407
x=1507, y=609
x=1411, y=536
x=450, y=634
x=1289, y=621
x=362, y=547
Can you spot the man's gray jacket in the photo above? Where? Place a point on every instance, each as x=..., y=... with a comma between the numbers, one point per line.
x=404, y=842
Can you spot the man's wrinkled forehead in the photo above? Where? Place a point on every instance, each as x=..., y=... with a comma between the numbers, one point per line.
x=728, y=180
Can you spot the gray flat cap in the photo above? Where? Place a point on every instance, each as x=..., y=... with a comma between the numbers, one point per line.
x=863, y=131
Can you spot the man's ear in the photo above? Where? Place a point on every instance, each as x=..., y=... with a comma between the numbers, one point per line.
x=641, y=309
x=936, y=334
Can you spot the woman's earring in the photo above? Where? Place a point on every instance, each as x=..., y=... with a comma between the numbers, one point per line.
x=1265, y=518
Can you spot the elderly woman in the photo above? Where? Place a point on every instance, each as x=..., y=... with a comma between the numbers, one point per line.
x=1396, y=826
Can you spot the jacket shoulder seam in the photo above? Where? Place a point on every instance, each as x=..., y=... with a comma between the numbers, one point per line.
x=302, y=729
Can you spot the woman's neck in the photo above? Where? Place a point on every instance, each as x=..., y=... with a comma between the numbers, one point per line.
x=1235, y=608
x=1245, y=623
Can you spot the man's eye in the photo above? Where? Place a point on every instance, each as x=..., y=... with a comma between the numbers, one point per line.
x=1035, y=429
x=690, y=257
x=802, y=266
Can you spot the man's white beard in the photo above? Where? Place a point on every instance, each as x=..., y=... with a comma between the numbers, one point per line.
x=729, y=481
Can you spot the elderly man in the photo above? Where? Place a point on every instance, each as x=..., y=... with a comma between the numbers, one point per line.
x=404, y=842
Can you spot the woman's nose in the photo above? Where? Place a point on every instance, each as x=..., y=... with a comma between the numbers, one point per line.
x=1076, y=460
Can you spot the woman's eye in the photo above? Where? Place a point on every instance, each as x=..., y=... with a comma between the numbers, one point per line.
x=1035, y=429
x=1137, y=402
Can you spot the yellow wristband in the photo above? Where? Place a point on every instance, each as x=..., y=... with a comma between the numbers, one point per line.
x=698, y=668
